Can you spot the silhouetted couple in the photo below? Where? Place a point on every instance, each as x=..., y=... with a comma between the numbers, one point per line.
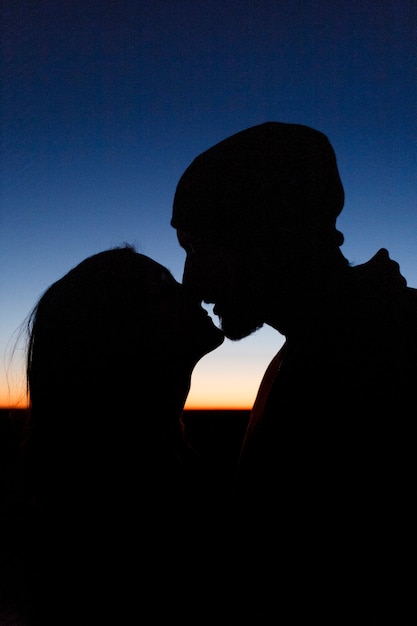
x=319, y=517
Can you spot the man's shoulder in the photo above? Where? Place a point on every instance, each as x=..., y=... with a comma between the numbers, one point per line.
x=411, y=295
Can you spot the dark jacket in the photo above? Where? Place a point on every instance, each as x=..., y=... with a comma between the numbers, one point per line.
x=327, y=473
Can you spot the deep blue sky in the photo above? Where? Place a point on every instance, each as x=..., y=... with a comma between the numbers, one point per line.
x=105, y=103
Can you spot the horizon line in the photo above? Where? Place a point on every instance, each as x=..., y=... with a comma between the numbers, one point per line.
x=4, y=407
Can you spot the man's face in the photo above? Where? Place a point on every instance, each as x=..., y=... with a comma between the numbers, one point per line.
x=223, y=275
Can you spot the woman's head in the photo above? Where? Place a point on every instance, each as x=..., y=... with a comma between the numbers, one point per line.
x=112, y=346
x=116, y=319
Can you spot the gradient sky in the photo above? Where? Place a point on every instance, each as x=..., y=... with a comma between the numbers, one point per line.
x=105, y=103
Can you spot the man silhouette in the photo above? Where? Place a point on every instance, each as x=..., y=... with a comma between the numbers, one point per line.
x=327, y=466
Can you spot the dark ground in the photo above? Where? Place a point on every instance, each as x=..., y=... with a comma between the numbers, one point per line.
x=215, y=432
x=207, y=429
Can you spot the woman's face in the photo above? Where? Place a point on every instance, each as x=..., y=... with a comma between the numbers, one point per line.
x=188, y=325
x=185, y=333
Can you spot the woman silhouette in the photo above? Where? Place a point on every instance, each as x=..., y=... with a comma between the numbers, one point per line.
x=112, y=346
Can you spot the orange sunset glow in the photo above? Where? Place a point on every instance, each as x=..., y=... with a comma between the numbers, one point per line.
x=227, y=378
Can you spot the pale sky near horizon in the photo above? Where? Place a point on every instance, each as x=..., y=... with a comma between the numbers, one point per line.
x=105, y=103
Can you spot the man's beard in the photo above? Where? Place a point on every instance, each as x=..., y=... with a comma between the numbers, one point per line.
x=238, y=326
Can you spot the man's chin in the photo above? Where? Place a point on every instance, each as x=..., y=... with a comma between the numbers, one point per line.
x=235, y=330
